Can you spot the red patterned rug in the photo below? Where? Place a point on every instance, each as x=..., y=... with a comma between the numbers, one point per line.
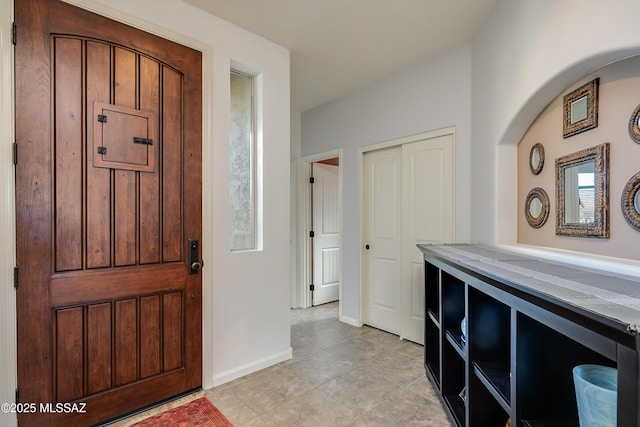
x=197, y=413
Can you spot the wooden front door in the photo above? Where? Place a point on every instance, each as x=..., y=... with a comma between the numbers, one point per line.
x=108, y=194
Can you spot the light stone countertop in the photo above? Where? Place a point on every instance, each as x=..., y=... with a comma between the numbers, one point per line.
x=611, y=296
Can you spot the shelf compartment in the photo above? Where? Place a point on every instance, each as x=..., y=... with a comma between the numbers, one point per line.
x=538, y=397
x=432, y=353
x=453, y=301
x=454, y=338
x=453, y=372
x=497, y=380
x=432, y=290
x=456, y=407
x=489, y=329
x=484, y=407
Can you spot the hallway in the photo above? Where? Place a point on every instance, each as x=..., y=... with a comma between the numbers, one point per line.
x=340, y=375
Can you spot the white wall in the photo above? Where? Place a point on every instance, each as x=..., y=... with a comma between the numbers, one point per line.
x=246, y=295
x=429, y=96
x=526, y=54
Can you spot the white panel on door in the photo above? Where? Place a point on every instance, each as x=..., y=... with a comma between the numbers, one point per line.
x=427, y=170
x=330, y=266
x=384, y=292
x=386, y=183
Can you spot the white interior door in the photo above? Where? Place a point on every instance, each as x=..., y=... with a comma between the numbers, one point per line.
x=427, y=217
x=383, y=209
x=408, y=199
x=326, y=227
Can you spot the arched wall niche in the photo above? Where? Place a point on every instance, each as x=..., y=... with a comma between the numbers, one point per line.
x=540, y=121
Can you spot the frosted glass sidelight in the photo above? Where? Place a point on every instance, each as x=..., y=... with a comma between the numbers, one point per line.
x=241, y=163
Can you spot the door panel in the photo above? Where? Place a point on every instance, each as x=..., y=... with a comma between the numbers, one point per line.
x=326, y=227
x=98, y=88
x=107, y=312
x=382, y=233
x=427, y=217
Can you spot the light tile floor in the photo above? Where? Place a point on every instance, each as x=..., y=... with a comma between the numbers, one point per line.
x=340, y=375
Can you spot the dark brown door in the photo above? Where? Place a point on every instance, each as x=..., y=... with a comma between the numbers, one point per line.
x=108, y=194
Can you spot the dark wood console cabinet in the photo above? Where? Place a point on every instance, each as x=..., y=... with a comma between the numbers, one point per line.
x=529, y=322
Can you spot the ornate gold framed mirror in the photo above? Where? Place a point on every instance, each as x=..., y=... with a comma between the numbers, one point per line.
x=536, y=158
x=582, y=193
x=580, y=109
x=630, y=202
x=536, y=207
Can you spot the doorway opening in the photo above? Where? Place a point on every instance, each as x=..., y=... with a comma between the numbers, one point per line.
x=320, y=225
x=325, y=231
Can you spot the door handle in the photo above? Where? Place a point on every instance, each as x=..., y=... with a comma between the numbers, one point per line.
x=194, y=256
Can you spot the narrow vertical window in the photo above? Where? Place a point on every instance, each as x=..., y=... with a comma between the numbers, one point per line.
x=242, y=175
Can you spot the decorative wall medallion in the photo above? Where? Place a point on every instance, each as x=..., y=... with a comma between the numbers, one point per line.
x=536, y=207
x=630, y=201
x=580, y=109
x=634, y=125
x=536, y=159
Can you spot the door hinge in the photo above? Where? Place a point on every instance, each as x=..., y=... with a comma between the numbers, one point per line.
x=312, y=234
x=14, y=34
x=15, y=153
x=17, y=396
x=102, y=118
x=15, y=277
x=312, y=287
x=312, y=180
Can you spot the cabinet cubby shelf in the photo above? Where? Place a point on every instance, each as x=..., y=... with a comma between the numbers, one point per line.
x=456, y=407
x=456, y=342
x=497, y=380
x=527, y=328
x=434, y=318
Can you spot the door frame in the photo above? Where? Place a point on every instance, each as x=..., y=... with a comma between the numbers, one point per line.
x=8, y=362
x=8, y=332
x=301, y=297
x=361, y=167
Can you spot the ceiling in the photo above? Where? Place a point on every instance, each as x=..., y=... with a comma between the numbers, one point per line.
x=341, y=46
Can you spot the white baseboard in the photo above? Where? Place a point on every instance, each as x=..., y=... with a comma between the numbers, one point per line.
x=249, y=368
x=353, y=322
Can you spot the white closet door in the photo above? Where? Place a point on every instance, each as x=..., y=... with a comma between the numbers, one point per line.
x=382, y=205
x=408, y=199
x=427, y=217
